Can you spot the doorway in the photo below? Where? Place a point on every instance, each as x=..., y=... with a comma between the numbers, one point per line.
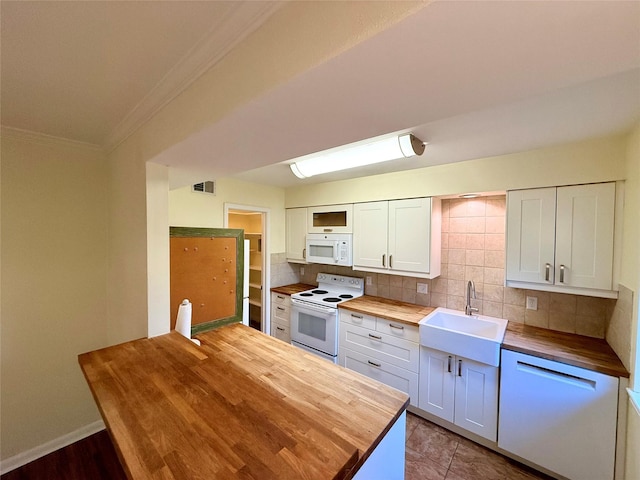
x=254, y=221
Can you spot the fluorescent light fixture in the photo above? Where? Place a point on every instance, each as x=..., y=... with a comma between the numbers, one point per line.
x=358, y=155
x=469, y=195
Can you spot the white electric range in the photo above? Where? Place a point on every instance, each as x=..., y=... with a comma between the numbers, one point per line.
x=314, y=313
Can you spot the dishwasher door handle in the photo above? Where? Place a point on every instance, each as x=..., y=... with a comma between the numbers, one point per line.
x=556, y=375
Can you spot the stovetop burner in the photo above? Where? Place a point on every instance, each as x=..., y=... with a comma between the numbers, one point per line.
x=331, y=290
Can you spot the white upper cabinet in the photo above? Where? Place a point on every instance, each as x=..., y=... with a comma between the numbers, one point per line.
x=330, y=219
x=296, y=231
x=398, y=237
x=561, y=239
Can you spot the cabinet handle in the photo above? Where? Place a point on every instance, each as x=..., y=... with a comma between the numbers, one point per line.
x=375, y=336
x=562, y=273
x=374, y=364
x=396, y=326
x=459, y=368
x=449, y=364
x=280, y=308
x=280, y=297
x=359, y=317
x=383, y=257
x=547, y=268
x=304, y=253
x=280, y=328
x=390, y=261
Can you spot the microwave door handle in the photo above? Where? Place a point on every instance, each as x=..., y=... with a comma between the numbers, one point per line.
x=336, y=251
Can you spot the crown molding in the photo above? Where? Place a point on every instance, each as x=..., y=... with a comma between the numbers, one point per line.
x=232, y=28
x=44, y=139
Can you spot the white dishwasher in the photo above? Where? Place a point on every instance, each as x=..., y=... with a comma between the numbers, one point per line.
x=560, y=417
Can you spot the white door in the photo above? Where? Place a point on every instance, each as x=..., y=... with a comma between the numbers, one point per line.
x=296, y=231
x=531, y=235
x=370, y=222
x=410, y=234
x=476, y=404
x=584, y=236
x=437, y=383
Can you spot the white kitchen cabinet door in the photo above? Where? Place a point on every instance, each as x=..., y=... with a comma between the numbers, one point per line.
x=296, y=231
x=409, y=234
x=476, y=393
x=370, y=221
x=437, y=383
x=584, y=236
x=531, y=218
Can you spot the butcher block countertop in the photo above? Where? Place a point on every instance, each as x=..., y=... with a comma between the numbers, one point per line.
x=293, y=288
x=577, y=350
x=401, y=312
x=243, y=405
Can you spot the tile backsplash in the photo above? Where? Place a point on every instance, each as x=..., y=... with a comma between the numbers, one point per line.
x=473, y=248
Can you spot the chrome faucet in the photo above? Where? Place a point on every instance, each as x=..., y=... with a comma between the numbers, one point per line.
x=471, y=293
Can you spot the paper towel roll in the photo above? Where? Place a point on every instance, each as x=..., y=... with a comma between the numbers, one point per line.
x=183, y=322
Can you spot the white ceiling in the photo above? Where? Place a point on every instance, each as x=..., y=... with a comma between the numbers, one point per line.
x=473, y=79
x=93, y=71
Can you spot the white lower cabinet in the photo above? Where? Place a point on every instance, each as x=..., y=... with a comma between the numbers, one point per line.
x=461, y=391
x=381, y=349
x=280, y=314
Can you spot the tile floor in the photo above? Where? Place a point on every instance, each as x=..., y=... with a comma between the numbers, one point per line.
x=434, y=453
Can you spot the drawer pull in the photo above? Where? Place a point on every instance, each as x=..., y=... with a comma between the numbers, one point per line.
x=281, y=309
x=280, y=297
x=396, y=326
x=280, y=328
x=359, y=317
x=377, y=337
x=373, y=363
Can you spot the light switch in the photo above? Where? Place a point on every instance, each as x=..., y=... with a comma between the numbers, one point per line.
x=532, y=303
x=423, y=288
x=302, y=271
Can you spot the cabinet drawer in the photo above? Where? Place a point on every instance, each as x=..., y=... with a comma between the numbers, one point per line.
x=390, y=375
x=360, y=319
x=384, y=347
x=397, y=329
x=280, y=299
x=281, y=331
x=281, y=313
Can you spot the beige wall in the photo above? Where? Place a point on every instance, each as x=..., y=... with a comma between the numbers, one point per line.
x=54, y=300
x=192, y=209
x=630, y=276
x=595, y=160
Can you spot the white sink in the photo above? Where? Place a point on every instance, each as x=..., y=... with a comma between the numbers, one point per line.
x=476, y=337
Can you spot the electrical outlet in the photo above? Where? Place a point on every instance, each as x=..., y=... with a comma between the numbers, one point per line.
x=423, y=288
x=369, y=280
x=532, y=303
x=302, y=271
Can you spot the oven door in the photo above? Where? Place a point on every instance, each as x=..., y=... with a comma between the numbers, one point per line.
x=315, y=326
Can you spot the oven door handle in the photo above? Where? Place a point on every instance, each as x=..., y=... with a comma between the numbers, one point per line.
x=302, y=305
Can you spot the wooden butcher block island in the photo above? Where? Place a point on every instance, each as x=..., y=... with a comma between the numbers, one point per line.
x=243, y=405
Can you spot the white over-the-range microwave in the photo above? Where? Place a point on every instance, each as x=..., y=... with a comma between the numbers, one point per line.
x=329, y=248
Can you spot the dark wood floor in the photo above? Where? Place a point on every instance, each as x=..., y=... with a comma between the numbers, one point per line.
x=92, y=458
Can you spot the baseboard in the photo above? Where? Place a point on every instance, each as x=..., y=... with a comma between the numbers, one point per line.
x=23, y=458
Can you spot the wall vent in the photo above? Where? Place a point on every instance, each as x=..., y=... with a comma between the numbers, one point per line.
x=208, y=187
